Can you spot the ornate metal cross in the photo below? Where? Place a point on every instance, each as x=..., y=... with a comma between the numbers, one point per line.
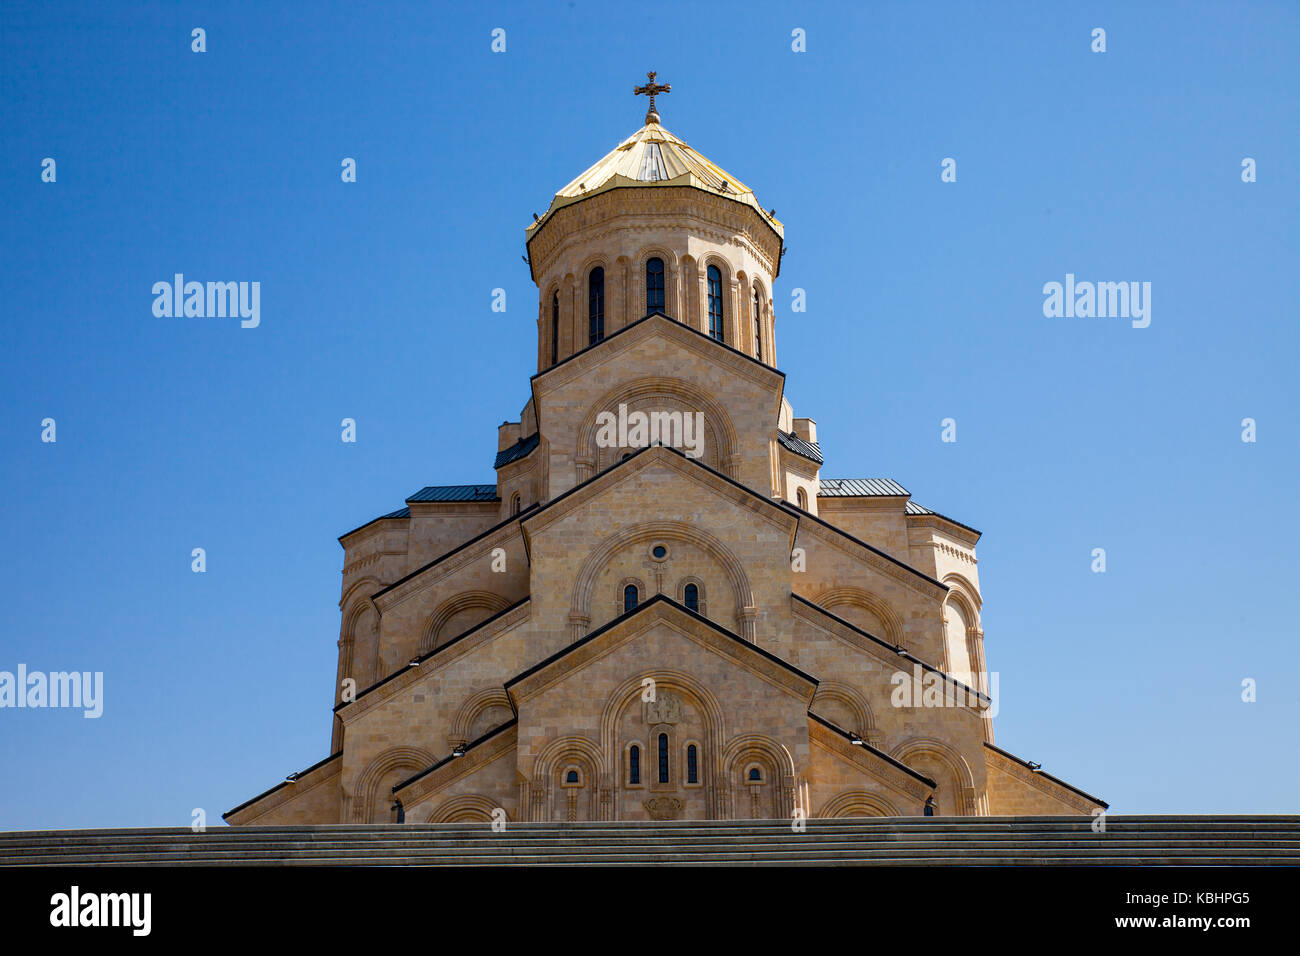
x=650, y=89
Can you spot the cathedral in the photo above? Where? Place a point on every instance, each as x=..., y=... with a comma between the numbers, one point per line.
x=660, y=609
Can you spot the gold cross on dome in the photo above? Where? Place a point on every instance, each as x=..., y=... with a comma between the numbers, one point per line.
x=650, y=89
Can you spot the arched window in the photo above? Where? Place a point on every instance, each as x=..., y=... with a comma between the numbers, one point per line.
x=663, y=758
x=715, y=303
x=596, y=306
x=654, y=285
x=555, y=327
x=514, y=504
x=801, y=497
x=629, y=598
x=692, y=764
x=755, y=775
x=634, y=764
x=571, y=777
x=758, y=326
x=693, y=598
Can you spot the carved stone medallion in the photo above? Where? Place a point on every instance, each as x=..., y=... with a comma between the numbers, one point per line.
x=664, y=709
x=664, y=808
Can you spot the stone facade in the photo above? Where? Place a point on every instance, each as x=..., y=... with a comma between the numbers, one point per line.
x=621, y=631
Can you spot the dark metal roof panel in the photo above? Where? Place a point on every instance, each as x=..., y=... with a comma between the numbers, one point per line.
x=456, y=493
x=808, y=449
x=914, y=509
x=861, y=488
x=519, y=449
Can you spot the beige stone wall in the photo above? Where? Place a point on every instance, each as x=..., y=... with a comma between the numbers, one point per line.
x=620, y=230
x=877, y=521
x=314, y=798
x=1014, y=790
x=739, y=679
x=659, y=362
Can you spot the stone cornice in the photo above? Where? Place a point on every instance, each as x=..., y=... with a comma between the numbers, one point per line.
x=611, y=349
x=867, y=761
x=440, y=568
x=377, y=695
x=937, y=522
x=825, y=621
x=661, y=611
x=324, y=772
x=453, y=509
x=574, y=499
x=801, y=466
x=877, y=560
x=695, y=210
x=1042, y=782
x=853, y=504
x=497, y=744
x=373, y=558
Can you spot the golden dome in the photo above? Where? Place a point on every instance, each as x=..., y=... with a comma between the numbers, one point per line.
x=652, y=156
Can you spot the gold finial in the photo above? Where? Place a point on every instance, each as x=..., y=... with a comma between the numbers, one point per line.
x=650, y=89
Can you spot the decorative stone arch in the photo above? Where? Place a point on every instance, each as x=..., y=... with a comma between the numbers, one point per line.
x=552, y=760
x=625, y=765
x=366, y=795
x=462, y=723
x=364, y=668
x=700, y=590
x=852, y=700
x=603, y=553
x=858, y=803
x=960, y=588
x=965, y=799
x=761, y=333
x=466, y=808
x=965, y=597
x=688, y=687
x=962, y=597
x=685, y=745
x=639, y=260
x=366, y=586
x=716, y=418
x=744, y=752
x=730, y=294
x=551, y=292
x=465, y=601
x=859, y=597
x=591, y=262
x=619, y=596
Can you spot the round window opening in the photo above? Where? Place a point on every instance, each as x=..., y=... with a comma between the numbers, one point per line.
x=659, y=551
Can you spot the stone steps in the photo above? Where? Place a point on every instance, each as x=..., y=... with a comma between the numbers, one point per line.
x=981, y=841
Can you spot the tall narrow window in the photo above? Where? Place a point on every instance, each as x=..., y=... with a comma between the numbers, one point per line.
x=758, y=327
x=715, y=303
x=514, y=504
x=634, y=764
x=596, y=306
x=629, y=598
x=555, y=327
x=654, y=285
x=692, y=765
x=663, y=758
x=801, y=497
x=693, y=598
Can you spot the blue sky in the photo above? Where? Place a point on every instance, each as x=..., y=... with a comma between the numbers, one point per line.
x=924, y=302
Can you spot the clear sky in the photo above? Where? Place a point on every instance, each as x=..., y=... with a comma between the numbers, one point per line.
x=924, y=298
